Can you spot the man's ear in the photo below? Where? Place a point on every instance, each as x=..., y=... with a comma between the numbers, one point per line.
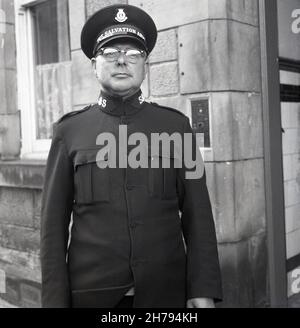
x=146, y=67
x=93, y=62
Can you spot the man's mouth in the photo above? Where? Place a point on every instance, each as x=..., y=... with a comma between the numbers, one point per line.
x=121, y=75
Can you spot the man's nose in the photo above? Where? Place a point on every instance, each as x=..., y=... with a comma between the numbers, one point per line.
x=121, y=59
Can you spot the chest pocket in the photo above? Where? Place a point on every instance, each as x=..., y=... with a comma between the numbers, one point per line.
x=92, y=183
x=162, y=175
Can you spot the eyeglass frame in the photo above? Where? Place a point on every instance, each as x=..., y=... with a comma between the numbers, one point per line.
x=143, y=54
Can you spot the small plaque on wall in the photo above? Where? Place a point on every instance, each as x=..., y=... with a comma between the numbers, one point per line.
x=200, y=121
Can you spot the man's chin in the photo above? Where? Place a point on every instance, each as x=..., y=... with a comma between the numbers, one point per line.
x=122, y=90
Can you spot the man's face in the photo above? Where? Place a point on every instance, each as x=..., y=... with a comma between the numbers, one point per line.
x=120, y=77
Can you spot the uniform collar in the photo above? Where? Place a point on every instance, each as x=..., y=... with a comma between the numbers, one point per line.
x=117, y=106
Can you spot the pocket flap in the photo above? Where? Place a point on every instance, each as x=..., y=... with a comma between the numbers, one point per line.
x=87, y=156
x=158, y=152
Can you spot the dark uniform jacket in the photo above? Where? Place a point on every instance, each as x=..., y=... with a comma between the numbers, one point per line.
x=150, y=228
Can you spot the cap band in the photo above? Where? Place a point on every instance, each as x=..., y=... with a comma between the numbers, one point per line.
x=120, y=30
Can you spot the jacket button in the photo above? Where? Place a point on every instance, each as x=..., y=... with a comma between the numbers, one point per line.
x=129, y=187
x=135, y=263
x=124, y=120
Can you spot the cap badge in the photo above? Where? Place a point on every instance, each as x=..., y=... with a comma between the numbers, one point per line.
x=121, y=16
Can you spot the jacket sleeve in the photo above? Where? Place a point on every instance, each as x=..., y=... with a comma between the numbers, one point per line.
x=203, y=270
x=56, y=207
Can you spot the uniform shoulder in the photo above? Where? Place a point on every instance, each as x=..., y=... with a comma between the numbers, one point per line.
x=168, y=108
x=73, y=113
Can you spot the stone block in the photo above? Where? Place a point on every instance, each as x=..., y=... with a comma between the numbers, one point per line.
x=244, y=271
x=8, y=48
x=8, y=7
x=19, y=238
x=169, y=13
x=180, y=103
x=194, y=58
x=237, y=196
x=236, y=275
x=245, y=11
x=6, y=305
x=77, y=19
x=287, y=164
x=20, y=264
x=22, y=174
x=2, y=282
x=3, y=105
x=292, y=243
x=290, y=117
x=165, y=48
x=21, y=292
x=292, y=220
x=85, y=85
x=291, y=166
x=220, y=184
x=12, y=294
x=8, y=91
x=30, y=294
x=219, y=55
x=290, y=141
x=16, y=207
x=249, y=188
x=291, y=192
x=94, y=5
x=164, y=79
x=236, y=126
x=258, y=255
x=37, y=201
x=10, y=136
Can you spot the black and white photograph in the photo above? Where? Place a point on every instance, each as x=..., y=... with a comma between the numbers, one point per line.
x=149, y=155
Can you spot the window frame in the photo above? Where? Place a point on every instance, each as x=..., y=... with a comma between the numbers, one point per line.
x=31, y=147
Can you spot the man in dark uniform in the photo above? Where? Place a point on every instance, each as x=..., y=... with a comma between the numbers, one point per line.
x=140, y=233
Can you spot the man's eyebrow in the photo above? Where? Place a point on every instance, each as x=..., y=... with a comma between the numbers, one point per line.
x=120, y=46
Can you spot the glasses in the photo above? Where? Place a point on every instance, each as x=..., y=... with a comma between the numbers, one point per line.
x=113, y=54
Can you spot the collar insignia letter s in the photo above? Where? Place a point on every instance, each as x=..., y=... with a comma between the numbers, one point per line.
x=121, y=16
x=141, y=99
x=102, y=102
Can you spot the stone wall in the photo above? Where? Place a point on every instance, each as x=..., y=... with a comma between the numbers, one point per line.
x=20, y=199
x=19, y=203
x=212, y=48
